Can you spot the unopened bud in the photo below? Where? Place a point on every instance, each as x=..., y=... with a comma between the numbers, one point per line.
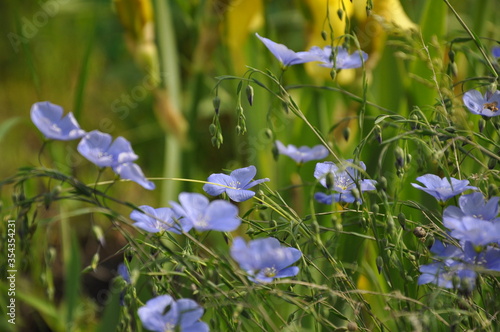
x=238, y=130
x=346, y=133
x=481, y=124
x=340, y=14
x=402, y=220
x=492, y=163
x=249, y=92
x=216, y=103
x=212, y=129
x=400, y=157
x=330, y=181
x=451, y=55
x=323, y=34
x=380, y=263
x=378, y=133
x=269, y=133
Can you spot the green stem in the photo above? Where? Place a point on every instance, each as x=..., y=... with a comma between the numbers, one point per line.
x=170, y=64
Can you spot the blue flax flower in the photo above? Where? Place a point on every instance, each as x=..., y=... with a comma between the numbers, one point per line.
x=303, y=153
x=285, y=55
x=441, y=188
x=48, y=118
x=265, y=259
x=343, y=60
x=343, y=181
x=459, y=263
x=196, y=211
x=100, y=149
x=486, y=105
x=475, y=221
x=163, y=314
x=235, y=185
x=123, y=272
x=495, y=51
x=159, y=220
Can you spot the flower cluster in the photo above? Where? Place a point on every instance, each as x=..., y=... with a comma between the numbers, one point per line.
x=475, y=226
x=194, y=211
x=96, y=146
x=337, y=57
x=342, y=181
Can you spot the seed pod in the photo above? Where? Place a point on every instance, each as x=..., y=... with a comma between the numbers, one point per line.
x=419, y=232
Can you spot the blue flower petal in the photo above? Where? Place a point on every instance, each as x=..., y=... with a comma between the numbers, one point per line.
x=48, y=118
x=133, y=172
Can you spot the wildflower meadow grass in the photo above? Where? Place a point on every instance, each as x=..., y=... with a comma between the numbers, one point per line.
x=250, y=165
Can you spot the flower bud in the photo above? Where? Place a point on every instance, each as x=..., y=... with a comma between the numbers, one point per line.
x=269, y=133
x=340, y=14
x=216, y=103
x=402, y=220
x=492, y=163
x=400, y=157
x=324, y=35
x=330, y=181
x=451, y=55
x=346, y=133
x=481, y=124
x=378, y=133
x=212, y=129
x=380, y=263
x=249, y=92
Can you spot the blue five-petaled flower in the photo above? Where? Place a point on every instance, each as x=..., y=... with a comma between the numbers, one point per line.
x=48, y=118
x=164, y=314
x=486, y=105
x=98, y=148
x=158, y=220
x=302, y=154
x=442, y=188
x=339, y=58
x=342, y=179
x=235, y=185
x=265, y=259
x=285, y=55
x=196, y=211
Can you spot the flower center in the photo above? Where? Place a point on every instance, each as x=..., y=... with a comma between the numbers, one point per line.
x=235, y=184
x=270, y=272
x=169, y=327
x=493, y=106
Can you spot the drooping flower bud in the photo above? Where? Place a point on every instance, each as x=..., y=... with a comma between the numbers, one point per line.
x=216, y=103
x=249, y=92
